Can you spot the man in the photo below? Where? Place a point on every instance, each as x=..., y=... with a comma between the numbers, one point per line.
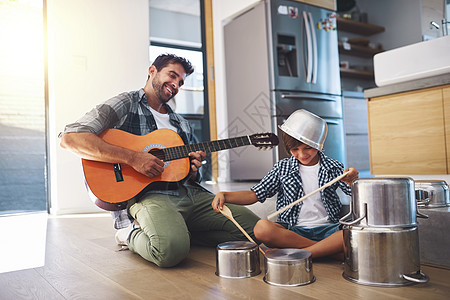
x=160, y=224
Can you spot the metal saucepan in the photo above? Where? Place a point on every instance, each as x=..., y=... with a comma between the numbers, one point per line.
x=237, y=259
x=383, y=202
x=382, y=256
x=432, y=193
x=288, y=267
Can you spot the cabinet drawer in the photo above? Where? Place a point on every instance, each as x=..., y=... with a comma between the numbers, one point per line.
x=407, y=133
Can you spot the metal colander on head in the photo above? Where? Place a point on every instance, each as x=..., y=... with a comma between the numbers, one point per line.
x=306, y=127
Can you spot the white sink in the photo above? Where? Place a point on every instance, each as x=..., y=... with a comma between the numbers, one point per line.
x=416, y=61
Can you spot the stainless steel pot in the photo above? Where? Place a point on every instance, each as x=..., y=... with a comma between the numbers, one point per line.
x=432, y=193
x=382, y=256
x=288, y=267
x=306, y=127
x=237, y=259
x=383, y=202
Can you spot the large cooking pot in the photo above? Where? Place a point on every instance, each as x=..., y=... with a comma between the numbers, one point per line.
x=383, y=202
x=288, y=267
x=382, y=256
x=432, y=193
x=237, y=259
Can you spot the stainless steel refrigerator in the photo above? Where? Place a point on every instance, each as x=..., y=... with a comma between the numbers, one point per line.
x=280, y=56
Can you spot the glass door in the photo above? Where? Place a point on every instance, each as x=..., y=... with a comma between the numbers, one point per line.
x=22, y=107
x=182, y=35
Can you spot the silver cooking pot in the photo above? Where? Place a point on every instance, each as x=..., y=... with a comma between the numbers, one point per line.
x=382, y=256
x=383, y=202
x=288, y=267
x=432, y=193
x=237, y=259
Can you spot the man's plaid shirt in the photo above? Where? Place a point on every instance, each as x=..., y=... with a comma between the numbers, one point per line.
x=284, y=179
x=129, y=112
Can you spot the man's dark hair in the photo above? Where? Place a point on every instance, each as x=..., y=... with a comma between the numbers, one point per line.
x=165, y=59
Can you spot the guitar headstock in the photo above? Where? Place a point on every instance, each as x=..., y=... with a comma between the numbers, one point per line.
x=264, y=140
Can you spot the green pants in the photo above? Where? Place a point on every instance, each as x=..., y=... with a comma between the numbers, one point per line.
x=168, y=225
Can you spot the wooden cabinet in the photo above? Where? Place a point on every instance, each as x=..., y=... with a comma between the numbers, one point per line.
x=446, y=97
x=328, y=4
x=407, y=132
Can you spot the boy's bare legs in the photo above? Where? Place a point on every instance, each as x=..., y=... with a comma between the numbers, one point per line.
x=333, y=245
x=275, y=235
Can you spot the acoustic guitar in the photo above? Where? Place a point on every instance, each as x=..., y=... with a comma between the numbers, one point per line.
x=112, y=185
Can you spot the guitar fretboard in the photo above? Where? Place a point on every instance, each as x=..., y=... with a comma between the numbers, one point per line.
x=207, y=147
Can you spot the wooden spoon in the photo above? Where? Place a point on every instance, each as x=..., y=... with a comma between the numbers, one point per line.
x=306, y=196
x=227, y=213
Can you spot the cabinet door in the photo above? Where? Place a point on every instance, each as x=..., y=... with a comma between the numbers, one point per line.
x=406, y=133
x=328, y=4
x=446, y=95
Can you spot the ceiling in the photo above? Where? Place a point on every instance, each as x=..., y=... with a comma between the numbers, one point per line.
x=191, y=7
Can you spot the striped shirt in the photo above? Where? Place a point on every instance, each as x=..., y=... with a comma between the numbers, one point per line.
x=129, y=112
x=285, y=179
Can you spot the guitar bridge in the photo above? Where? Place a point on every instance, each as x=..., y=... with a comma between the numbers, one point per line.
x=118, y=172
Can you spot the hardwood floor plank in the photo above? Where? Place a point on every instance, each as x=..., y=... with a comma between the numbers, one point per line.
x=82, y=262
x=75, y=280
x=26, y=284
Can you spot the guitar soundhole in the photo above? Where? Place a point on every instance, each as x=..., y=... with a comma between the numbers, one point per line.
x=158, y=153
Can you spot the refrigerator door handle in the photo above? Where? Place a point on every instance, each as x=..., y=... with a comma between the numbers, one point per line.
x=332, y=122
x=309, y=96
x=308, y=41
x=314, y=49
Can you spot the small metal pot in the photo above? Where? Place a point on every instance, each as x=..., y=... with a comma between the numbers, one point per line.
x=288, y=267
x=382, y=256
x=383, y=202
x=237, y=259
x=432, y=193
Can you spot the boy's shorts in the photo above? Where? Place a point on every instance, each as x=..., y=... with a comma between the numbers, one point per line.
x=317, y=233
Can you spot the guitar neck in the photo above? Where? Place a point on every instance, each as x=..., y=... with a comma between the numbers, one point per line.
x=173, y=153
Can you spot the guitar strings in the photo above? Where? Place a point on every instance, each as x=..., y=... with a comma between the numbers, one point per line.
x=177, y=152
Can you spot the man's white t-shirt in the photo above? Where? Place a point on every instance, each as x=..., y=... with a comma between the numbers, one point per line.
x=162, y=120
x=313, y=211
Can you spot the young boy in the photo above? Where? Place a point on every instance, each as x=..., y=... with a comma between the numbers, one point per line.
x=313, y=224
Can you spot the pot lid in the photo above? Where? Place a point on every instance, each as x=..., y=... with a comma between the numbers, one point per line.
x=287, y=255
x=236, y=245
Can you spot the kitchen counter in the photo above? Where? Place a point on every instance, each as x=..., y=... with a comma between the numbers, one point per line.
x=408, y=86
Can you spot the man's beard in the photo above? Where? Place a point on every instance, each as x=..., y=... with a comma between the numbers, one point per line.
x=159, y=89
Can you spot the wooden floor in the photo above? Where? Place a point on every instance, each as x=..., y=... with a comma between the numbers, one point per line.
x=83, y=262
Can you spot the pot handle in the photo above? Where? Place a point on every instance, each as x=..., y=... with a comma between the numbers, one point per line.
x=351, y=222
x=423, y=277
x=341, y=221
x=421, y=215
x=423, y=202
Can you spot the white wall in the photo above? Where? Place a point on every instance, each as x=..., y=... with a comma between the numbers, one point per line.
x=222, y=10
x=97, y=49
x=400, y=18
